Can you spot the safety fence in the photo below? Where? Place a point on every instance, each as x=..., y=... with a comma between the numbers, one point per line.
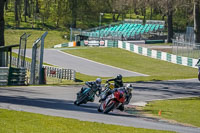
x=188, y=49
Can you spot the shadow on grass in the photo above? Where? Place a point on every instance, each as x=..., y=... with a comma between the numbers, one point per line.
x=78, y=80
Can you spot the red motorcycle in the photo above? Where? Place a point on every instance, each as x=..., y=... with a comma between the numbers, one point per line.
x=113, y=101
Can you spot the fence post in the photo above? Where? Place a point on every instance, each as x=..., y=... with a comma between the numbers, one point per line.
x=41, y=57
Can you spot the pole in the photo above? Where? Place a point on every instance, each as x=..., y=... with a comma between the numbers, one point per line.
x=70, y=34
x=100, y=25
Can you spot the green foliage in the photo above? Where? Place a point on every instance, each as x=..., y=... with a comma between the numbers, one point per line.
x=23, y=122
x=53, y=37
x=61, y=13
x=184, y=110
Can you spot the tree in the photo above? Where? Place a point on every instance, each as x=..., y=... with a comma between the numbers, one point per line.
x=170, y=20
x=197, y=20
x=73, y=6
x=143, y=6
x=2, y=43
x=118, y=7
x=17, y=12
x=37, y=7
x=168, y=7
x=25, y=9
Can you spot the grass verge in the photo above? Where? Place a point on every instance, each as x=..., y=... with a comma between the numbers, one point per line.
x=184, y=110
x=80, y=79
x=157, y=69
x=23, y=122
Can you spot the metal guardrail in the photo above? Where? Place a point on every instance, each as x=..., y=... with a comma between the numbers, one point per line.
x=17, y=76
x=60, y=73
x=4, y=72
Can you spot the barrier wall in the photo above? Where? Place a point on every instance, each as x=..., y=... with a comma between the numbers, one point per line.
x=4, y=72
x=158, y=54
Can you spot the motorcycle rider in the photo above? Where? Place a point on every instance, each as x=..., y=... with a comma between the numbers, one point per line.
x=95, y=85
x=117, y=81
x=128, y=95
x=129, y=88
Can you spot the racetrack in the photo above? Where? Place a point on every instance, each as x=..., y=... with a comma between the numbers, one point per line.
x=58, y=101
x=82, y=65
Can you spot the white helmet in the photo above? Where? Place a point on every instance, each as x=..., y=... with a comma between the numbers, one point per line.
x=129, y=87
x=98, y=80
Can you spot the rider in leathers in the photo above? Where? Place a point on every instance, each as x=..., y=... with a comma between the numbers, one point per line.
x=117, y=81
x=95, y=85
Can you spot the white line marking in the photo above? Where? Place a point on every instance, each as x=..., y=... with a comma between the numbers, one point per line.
x=101, y=63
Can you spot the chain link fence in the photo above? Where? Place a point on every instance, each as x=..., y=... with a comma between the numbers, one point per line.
x=185, y=46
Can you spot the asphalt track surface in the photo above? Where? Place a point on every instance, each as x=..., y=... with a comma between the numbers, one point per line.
x=58, y=101
x=82, y=65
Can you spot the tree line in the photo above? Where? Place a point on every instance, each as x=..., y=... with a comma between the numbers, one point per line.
x=85, y=13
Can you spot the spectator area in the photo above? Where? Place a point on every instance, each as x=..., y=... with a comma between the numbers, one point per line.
x=126, y=30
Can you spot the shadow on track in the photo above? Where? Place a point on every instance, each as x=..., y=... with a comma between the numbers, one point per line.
x=49, y=103
x=170, y=87
x=56, y=104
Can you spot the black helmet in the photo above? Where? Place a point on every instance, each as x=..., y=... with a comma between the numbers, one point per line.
x=119, y=77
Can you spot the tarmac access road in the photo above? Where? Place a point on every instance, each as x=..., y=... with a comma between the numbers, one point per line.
x=58, y=101
x=82, y=65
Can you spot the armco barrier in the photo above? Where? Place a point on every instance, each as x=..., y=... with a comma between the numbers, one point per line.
x=4, y=72
x=60, y=73
x=61, y=45
x=186, y=61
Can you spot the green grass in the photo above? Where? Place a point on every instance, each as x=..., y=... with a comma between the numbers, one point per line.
x=52, y=38
x=80, y=79
x=182, y=110
x=162, y=44
x=157, y=69
x=23, y=122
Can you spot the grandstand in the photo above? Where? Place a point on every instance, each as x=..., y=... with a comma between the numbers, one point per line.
x=127, y=30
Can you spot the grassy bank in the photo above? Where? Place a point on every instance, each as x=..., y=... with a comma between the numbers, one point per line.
x=184, y=110
x=53, y=37
x=23, y=122
x=156, y=69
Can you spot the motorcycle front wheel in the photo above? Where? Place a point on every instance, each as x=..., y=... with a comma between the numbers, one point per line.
x=109, y=108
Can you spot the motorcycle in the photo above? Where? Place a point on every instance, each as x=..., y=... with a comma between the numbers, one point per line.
x=113, y=101
x=88, y=94
x=108, y=87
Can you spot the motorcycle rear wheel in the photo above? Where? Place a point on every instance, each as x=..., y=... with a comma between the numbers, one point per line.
x=80, y=100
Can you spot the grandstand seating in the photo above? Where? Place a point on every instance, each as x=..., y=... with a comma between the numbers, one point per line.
x=126, y=30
